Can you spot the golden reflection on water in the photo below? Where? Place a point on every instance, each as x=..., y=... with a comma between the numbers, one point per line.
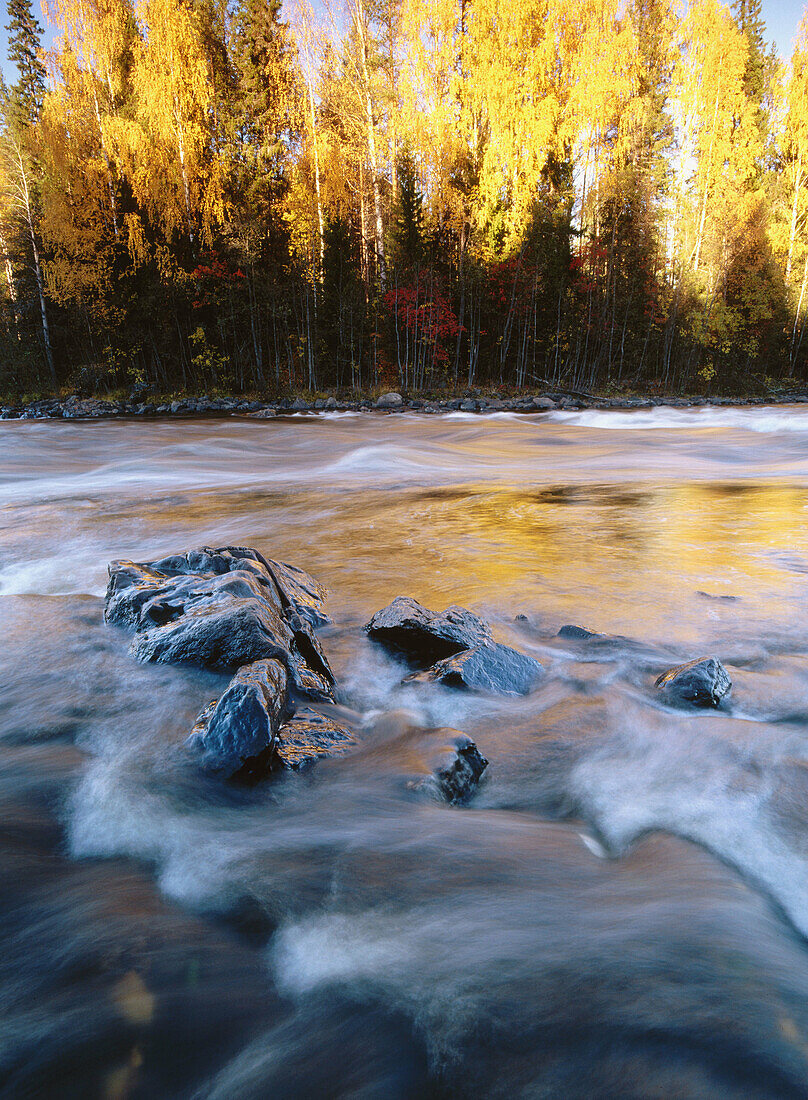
x=623, y=559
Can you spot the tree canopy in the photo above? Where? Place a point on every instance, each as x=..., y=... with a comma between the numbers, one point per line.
x=421, y=193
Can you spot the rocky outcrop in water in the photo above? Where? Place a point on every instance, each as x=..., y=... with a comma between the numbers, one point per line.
x=236, y=735
x=422, y=636
x=222, y=609
x=456, y=770
x=307, y=737
x=494, y=668
x=231, y=608
x=453, y=647
x=253, y=729
x=579, y=633
x=700, y=683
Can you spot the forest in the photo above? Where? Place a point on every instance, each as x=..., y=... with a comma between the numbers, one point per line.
x=222, y=196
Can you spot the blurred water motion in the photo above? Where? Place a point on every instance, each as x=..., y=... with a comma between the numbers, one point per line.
x=622, y=910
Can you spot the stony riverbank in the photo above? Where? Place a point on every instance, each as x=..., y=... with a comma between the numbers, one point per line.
x=80, y=408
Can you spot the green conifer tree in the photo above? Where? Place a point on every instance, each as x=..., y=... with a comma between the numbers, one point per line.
x=24, y=35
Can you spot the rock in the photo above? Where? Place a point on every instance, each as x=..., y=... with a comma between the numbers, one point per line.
x=702, y=683
x=221, y=609
x=424, y=636
x=495, y=668
x=390, y=401
x=262, y=414
x=299, y=405
x=579, y=632
x=330, y=403
x=76, y=408
x=457, y=769
x=236, y=735
x=543, y=403
x=468, y=406
x=307, y=737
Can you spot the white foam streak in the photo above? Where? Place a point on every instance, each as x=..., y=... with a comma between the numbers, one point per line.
x=764, y=420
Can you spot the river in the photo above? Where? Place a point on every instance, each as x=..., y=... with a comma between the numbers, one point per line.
x=622, y=908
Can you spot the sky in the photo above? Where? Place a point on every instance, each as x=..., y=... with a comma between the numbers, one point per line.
x=782, y=20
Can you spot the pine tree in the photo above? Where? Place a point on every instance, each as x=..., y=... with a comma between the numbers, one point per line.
x=24, y=36
x=18, y=164
x=749, y=17
x=407, y=229
x=269, y=89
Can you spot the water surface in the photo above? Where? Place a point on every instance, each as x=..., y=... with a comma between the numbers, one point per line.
x=622, y=910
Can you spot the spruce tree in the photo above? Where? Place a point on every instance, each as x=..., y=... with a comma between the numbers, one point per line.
x=407, y=231
x=270, y=93
x=24, y=33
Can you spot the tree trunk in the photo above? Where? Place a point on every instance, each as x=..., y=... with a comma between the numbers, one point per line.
x=25, y=196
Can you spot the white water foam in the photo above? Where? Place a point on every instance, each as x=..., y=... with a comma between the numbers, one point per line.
x=58, y=575
x=765, y=420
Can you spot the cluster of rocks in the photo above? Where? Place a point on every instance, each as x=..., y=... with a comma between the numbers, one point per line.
x=452, y=647
x=229, y=609
x=93, y=408
x=232, y=610
x=78, y=408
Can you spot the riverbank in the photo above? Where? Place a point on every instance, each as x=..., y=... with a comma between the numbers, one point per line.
x=93, y=408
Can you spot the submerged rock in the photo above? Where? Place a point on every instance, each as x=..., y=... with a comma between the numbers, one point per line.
x=424, y=636
x=579, y=632
x=222, y=609
x=457, y=768
x=309, y=736
x=495, y=668
x=702, y=683
x=236, y=735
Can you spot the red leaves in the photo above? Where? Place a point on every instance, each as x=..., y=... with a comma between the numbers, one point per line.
x=427, y=314
x=212, y=275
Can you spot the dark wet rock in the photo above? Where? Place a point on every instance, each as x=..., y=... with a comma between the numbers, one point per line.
x=579, y=632
x=456, y=770
x=299, y=405
x=221, y=609
x=701, y=683
x=494, y=668
x=468, y=405
x=236, y=734
x=424, y=636
x=710, y=596
x=390, y=401
x=307, y=737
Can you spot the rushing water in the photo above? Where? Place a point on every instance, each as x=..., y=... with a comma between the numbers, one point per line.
x=622, y=909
